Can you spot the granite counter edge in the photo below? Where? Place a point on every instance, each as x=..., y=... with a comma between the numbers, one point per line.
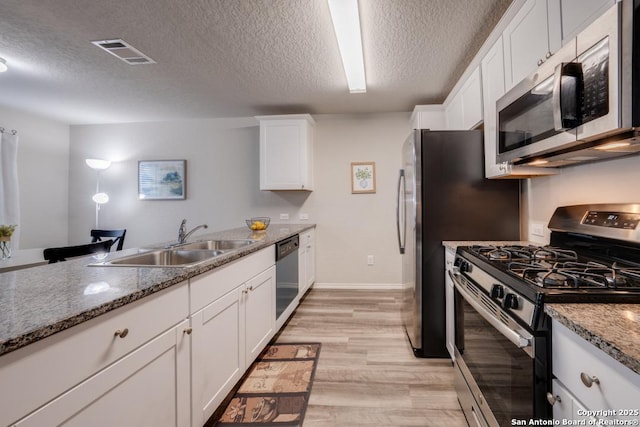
x=40, y=333
x=596, y=340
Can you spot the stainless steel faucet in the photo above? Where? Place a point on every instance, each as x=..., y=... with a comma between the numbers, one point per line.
x=183, y=235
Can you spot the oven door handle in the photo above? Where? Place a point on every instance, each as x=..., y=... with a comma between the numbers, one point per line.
x=510, y=334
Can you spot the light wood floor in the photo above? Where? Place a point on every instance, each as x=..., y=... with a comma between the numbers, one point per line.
x=367, y=374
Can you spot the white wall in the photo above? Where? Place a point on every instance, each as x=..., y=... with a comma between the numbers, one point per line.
x=352, y=226
x=611, y=181
x=43, y=175
x=223, y=187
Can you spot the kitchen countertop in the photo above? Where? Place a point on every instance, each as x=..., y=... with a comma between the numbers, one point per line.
x=453, y=244
x=40, y=301
x=613, y=328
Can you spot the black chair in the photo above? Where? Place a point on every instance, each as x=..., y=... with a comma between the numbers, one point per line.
x=118, y=235
x=62, y=253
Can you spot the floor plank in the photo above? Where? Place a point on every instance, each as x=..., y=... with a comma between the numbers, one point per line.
x=367, y=374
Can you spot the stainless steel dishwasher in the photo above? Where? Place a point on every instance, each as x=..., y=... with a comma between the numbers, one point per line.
x=286, y=278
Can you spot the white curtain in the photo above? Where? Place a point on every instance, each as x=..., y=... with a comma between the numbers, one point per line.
x=9, y=197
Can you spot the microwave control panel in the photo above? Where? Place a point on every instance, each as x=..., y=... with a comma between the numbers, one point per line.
x=595, y=74
x=626, y=221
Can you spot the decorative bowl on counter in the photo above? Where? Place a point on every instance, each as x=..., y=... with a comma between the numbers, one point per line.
x=258, y=223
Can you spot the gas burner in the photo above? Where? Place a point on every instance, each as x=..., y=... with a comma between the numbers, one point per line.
x=548, y=253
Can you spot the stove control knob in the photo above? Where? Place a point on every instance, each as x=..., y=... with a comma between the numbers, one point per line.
x=497, y=291
x=510, y=301
x=465, y=267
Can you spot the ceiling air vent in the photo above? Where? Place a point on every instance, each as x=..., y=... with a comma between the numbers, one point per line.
x=123, y=50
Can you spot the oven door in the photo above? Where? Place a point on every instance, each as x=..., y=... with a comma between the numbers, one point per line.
x=494, y=360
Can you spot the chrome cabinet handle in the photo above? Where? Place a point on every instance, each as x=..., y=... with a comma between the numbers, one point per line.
x=588, y=380
x=187, y=330
x=553, y=399
x=548, y=55
x=540, y=61
x=121, y=333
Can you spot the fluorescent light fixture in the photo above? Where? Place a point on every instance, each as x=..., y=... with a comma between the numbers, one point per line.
x=3, y=65
x=346, y=24
x=98, y=164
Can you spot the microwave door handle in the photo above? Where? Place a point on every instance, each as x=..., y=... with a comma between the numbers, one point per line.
x=567, y=91
x=401, y=226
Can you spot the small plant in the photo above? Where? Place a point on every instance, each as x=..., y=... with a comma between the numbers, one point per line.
x=363, y=173
x=7, y=230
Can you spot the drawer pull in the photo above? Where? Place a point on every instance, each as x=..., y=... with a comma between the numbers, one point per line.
x=553, y=399
x=188, y=330
x=122, y=333
x=588, y=380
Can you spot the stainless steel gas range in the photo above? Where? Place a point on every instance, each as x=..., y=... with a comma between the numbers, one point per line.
x=503, y=345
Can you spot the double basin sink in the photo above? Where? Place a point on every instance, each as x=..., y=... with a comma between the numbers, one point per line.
x=184, y=255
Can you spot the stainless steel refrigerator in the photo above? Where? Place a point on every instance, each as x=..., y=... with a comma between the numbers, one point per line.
x=443, y=195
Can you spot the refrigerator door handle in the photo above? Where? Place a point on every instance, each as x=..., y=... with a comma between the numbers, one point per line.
x=400, y=201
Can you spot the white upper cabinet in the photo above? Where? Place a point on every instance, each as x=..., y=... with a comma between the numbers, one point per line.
x=578, y=14
x=286, y=152
x=464, y=111
x=430, y=117
x=531, y=37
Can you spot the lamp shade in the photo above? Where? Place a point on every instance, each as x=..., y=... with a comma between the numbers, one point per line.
x=98, y=164
x=100, y=198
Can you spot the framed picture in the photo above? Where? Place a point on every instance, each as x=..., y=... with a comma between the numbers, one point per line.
x=162, y=179
x=363, y=177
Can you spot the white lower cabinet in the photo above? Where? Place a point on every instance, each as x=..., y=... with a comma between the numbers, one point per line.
x=149, y=387
x=591, y=379
x=450, y=326
x=259, y=308
x=218, y=353
x=306, y=261
x=230, y=332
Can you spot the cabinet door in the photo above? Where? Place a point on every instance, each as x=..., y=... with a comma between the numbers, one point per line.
x=566, y=406
x=532, y=36
x=307, y=263
x=578, y=14
x=449, y=302
x=149, y=387
x=492, y=90
x=217, y=353
x=311, y=262
x=286, y=149
x=454, y=113
x=260, y=312
x=472, y=100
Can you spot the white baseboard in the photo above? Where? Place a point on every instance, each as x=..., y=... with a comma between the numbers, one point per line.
x=369, y=286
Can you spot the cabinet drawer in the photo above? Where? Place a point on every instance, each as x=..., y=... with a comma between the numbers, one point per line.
x=618, y=387
x=208, y=287
x=33, y=375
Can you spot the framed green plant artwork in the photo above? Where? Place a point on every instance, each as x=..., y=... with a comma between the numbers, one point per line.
x=363, y=177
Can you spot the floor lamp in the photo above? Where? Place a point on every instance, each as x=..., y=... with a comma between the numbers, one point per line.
x=99, y=198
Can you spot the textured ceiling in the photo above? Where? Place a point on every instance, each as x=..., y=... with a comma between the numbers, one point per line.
x=231, y=58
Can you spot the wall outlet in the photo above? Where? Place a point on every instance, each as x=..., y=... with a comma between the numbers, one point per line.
x=537, y=228
x=304, y=216
x=284, y=216
x=369, y=259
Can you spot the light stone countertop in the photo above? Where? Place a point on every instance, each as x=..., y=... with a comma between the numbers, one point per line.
x=40, y=301
x=613, y=328
x=453, y=244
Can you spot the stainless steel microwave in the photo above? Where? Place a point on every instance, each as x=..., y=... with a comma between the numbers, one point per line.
x=583, y=103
